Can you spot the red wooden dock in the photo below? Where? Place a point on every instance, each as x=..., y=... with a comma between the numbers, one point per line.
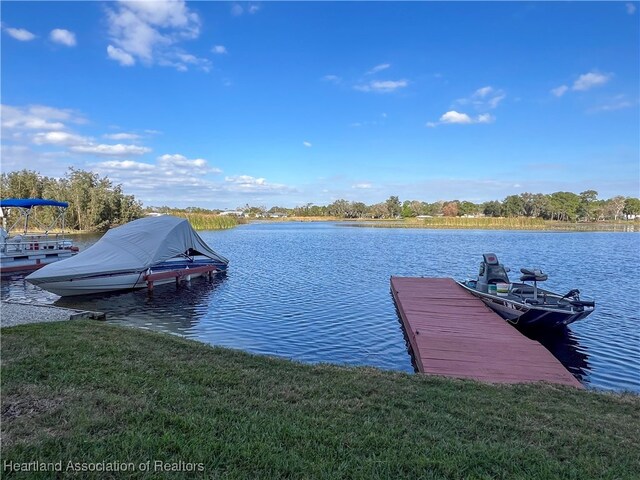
x=453, y=333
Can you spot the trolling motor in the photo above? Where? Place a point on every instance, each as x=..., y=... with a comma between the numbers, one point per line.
x=573, y=297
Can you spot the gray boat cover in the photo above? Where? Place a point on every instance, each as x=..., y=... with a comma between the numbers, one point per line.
x=134, y=246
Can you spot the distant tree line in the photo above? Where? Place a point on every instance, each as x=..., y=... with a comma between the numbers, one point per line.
x=561, y=206
x=95, y=203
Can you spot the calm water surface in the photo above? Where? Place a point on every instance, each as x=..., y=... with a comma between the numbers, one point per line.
x=319, y=292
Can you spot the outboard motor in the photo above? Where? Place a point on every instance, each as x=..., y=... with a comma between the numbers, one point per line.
x=491, y=272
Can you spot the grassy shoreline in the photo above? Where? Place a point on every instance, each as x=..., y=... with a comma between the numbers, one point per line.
x=480, y=223
x=90, y=392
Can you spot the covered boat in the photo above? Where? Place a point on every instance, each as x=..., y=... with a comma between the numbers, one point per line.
x=525, y=304
x=153, y=249
x=31, y=249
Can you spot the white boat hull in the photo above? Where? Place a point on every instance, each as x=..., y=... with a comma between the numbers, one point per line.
x=102, y=284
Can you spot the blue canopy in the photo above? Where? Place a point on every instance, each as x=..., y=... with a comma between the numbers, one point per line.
x=31, y=202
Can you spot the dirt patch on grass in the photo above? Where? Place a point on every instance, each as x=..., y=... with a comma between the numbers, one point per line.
x=22, y=411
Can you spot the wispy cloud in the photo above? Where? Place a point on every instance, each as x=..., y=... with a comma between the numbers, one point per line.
x=121, y=136
x=117, y=150
x=378, y=68
x=364, y=185
x=179, y=164
x=219, y=49
x=453, y=117
x=619, y=102
x=38, y=117
x=560, y=91
x=307, y=144
x=584, y=82
x=484, y=98
x=151, y=180
x=19, y=34
x=237, y=9
x=331, y=78
x=63, y=37
x=249, y=184
x=382, y=86
x=631, y=8
x=150, y=32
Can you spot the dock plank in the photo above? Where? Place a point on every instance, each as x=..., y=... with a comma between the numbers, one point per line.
x=454, y=334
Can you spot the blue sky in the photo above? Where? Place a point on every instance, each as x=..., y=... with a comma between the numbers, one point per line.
x=220, y=104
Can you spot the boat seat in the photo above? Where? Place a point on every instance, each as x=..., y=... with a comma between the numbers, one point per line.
x=497, y=274
x=533, y=275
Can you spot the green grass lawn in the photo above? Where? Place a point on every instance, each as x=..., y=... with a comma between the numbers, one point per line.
x=84, y=391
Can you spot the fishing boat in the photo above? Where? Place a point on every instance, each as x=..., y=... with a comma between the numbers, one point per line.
x=525, y=304
x=141, y=253
x=31, y=249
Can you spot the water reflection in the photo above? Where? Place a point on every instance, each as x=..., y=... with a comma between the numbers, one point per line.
x=169, y=308
x=564, y=345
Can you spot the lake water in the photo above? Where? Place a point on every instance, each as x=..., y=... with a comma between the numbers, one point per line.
x=319, y=292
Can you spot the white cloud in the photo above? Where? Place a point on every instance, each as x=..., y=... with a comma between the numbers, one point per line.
x=307, y=144
x=120, y=56
x=63, y=37
x=177, y=163
x=219, y=49
x=236, y=10
x=150, y=32
x=110, y=150
x=249, y=184
x=245, y=180
x=37, y=117
x=631, y=8
x=378, y=68
x=560, y=91
x=122, y=136
x=254, y=8
x=589, y=80
x=584, y=82
x=382, y=86
x=362, y=185
x=20, y=34
x=453, y=117
x=59, y=138
x=128, y=165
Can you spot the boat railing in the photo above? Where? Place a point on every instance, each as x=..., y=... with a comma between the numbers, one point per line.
x=33, y=243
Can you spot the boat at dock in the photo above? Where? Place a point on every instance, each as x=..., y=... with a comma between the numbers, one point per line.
x=31, y=249
x=141, y=253
x=525, y=304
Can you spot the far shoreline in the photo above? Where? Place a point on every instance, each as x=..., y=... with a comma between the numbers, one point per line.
x=462, y=223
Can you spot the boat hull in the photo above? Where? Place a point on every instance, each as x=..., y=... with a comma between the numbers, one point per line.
x=130, y=280
x=529, y=316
